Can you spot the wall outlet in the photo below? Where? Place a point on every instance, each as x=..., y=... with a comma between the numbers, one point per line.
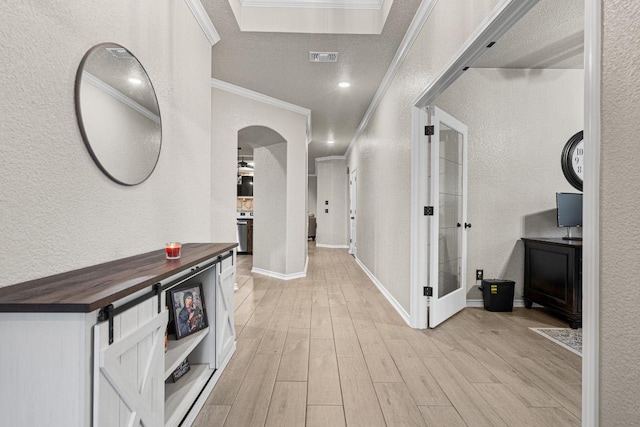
x=479, y=274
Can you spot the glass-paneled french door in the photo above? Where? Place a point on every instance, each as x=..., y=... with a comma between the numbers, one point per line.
x=448, y=225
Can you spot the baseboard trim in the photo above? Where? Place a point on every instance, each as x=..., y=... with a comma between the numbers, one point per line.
x=281, y=276
x=322, y=245
x=480, y=303
x=395, y=304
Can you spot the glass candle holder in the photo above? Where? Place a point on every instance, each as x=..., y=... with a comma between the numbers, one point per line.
x=172, y=250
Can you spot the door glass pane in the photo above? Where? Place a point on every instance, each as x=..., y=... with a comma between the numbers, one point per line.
x=450, y=235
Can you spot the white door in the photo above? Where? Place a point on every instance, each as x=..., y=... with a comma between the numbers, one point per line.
x=225, y=329
x=448, y=237
x=352, y=212
x=128, y=378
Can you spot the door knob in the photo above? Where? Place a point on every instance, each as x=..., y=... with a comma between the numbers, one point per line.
x=467, y=225
x=459, y=225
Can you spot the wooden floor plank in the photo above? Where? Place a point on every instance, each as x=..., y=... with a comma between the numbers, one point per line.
x=294, y=365
x=470, y=405
x=440, y=416
x=321, y=326
x=379, y=362
x=423, y=387
x=469, y=367
x=275, y=334
x=324, y=380
x=569, y=397
x=225, y=391
x=397, y=406
x=288, y=404
x=559, y=417
x=325, y=416
x=512, y=410
x=252, y=402
x=517, y=383
x=361, y=405
x=212, y=415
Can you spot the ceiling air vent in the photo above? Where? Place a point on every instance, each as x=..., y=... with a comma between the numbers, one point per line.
x=323, y=56
x=119, y=52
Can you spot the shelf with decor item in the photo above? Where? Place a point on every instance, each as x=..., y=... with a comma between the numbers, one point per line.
x=106, y=325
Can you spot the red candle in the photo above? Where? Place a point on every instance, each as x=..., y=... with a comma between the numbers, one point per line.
x=172, y=250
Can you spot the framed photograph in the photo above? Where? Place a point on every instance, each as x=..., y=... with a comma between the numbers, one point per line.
x=188, y=309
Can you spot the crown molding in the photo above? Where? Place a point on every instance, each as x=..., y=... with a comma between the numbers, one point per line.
x=115, y=93
x=316, y=4
x=198, y=11
x=322, y=159
x=247, y=93
x=420, y=18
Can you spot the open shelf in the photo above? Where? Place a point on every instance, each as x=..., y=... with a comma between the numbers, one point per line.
x=179, y=349
x=179, y=396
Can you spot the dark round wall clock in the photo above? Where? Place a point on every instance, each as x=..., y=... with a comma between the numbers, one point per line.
x=572, y=160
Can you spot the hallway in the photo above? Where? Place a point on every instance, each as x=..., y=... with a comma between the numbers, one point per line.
x=329, y=350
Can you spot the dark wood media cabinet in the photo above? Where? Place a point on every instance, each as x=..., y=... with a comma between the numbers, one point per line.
x=553, y=276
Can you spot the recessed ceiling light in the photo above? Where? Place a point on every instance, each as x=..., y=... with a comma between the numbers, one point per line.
x=344, y=84
x=135, y=81
x=331, y=141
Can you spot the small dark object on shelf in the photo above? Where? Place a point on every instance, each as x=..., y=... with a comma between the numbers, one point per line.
x=182, y=369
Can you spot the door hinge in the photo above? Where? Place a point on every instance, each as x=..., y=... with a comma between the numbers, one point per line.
x=428, y=211
x=429, y=130
x=427, y=291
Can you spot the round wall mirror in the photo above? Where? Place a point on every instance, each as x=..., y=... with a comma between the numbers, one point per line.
x=118, y=113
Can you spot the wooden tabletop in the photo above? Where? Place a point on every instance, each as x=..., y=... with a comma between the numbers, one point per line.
x=91, y=288
x=554, y=241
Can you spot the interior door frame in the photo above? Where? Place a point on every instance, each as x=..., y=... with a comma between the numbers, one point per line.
x=503, y=18
x=353, y=206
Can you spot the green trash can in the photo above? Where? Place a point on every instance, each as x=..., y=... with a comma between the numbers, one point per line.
x=498, y=294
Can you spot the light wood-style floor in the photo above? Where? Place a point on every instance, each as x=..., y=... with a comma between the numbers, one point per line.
x=329, y=350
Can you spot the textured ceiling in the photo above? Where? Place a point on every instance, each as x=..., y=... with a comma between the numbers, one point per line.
x=277, y=65
x=551, y=35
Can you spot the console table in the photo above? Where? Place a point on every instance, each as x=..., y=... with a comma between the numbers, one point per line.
x=553, y=276
x=87, y=347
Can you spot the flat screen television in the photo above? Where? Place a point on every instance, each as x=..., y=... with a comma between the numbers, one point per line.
x=569, y=212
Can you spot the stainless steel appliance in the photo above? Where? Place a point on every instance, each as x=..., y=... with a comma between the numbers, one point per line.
x=242, y=235
x=243, y=230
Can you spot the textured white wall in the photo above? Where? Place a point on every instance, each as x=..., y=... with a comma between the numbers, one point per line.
x=270, y=208
x=518, y=121
x=332, y=187
x=312, y=194
x=382, y=155
x=619, y=207
x=59, y=212
x=231, y=113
